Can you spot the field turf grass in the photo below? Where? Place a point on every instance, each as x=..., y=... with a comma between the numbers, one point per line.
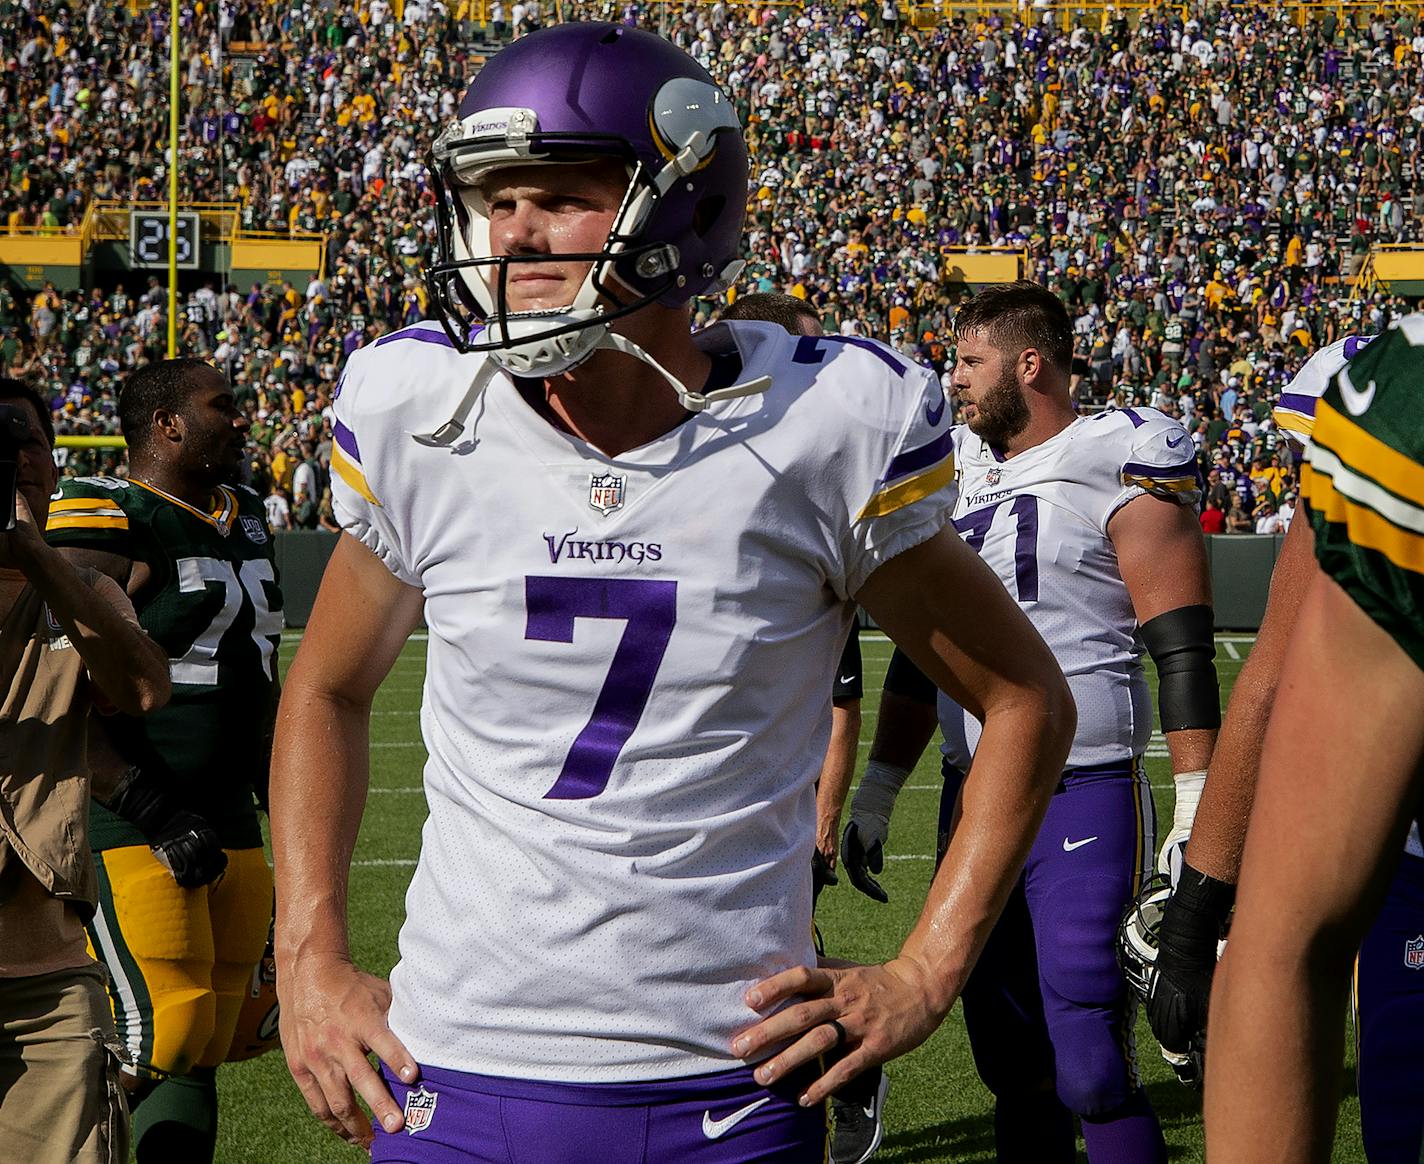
x=938, y=1111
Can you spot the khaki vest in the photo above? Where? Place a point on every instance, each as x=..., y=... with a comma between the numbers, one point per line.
x=44, y=773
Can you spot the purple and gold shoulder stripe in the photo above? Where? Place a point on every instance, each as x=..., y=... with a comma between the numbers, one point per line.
x=912, y=476
x=1181, y=482
x=86, y=513
x=346, y=462
x=1295, y=413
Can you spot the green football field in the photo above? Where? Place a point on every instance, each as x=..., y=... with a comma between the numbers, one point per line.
x=937, y=1108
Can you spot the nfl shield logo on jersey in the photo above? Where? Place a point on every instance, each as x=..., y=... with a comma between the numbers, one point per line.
x=254, y=529
x=419, y=1109
x=605, y=493
x=993, y=475
x=1414, y=953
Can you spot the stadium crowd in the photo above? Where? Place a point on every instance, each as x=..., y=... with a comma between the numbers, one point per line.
x=1200, y=186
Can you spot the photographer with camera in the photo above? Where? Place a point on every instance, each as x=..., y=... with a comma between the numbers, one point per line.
x=65, y=634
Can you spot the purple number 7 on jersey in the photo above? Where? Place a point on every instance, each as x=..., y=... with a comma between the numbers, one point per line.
x=650, y=609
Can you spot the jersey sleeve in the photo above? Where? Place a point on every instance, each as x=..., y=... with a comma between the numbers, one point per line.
x=1294, y=413
x=1363, y=483
x=89, y=513
x=358, y=431
x=1157, y=458
x=913, y=493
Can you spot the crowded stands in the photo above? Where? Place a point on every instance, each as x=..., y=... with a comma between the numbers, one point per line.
x=1200, y=183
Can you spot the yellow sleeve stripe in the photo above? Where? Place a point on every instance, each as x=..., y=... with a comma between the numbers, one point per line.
x=1156, y=484
x=95, y=504
x=86, y=521
x=1296, y=422
x=345, y=468
x=1366, y=528
x=1368, y=455
x=908, y=491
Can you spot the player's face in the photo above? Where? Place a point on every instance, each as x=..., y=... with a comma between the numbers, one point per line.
x=215, y=436
x=550, y=210
x=991, y=400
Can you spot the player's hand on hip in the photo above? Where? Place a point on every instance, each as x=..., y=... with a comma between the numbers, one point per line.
x=332, y=1017
x=864, y=1014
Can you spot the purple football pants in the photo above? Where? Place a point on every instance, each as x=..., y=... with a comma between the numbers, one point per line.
x=726, y=1118
x=1049, y=1015
x=1389, y=1017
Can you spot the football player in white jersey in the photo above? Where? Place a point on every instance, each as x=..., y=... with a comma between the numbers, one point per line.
x=1090, y=522
x=635, y=551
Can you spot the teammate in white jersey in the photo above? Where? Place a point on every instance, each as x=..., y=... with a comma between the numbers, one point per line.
x=1090, y=523
x=636, y=552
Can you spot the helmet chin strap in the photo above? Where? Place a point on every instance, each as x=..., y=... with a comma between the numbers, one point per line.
x=528, y=363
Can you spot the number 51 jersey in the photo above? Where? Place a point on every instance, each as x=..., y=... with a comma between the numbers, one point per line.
x=627, y=690
x=213, y=604
x=1040, y=520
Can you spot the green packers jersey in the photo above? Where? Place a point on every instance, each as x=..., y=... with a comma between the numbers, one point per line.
x=1364, y=482
x=214, y=605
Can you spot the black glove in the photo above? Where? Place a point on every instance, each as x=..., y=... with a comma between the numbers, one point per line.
x=184, y=842
x=821, y=873
x=861, y=862
x=1193, y=922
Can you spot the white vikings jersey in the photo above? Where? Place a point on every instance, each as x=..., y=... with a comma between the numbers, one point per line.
x=627, y=695
x=1040, y=520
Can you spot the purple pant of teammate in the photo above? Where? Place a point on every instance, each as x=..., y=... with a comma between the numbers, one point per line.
x=726, y=1118
x=1389, y=1016
x=1048, y=1012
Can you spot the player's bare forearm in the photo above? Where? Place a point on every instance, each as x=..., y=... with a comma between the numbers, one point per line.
x=333, y=1015
x=1220, y=830
x=1318, y=855
x=1191, y=750
x=972, y=640
x=959, y=625
x=837, y=771
x=362, y=618
x=1017, y=765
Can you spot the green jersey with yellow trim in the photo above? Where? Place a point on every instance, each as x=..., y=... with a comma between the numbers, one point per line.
x=214, y=605
x=1364, y=482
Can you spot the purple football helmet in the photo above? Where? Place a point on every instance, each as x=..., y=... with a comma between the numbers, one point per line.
x=571, y=93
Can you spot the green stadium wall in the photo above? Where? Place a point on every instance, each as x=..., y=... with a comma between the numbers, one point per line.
x=1241, y=566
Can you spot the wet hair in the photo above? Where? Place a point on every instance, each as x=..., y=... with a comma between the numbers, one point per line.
x=11, y=389
x=164, y=385
x=1016, y=316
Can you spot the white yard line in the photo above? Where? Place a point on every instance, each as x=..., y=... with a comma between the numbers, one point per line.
x=1231, y=650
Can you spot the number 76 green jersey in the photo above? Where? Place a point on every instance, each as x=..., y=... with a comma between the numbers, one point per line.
x=213, y=603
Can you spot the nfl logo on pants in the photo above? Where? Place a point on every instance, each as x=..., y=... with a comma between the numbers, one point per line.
x=419, y=1109
x=1414, y=953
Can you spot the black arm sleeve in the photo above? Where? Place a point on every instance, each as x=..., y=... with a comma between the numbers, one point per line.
x=1181, y=644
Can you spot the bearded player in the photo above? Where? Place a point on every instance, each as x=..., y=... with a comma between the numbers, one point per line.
x=185, y=894
x=1090, y=524
x=636, y=552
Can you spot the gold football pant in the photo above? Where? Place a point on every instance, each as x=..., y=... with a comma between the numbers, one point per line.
x=180, y=960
